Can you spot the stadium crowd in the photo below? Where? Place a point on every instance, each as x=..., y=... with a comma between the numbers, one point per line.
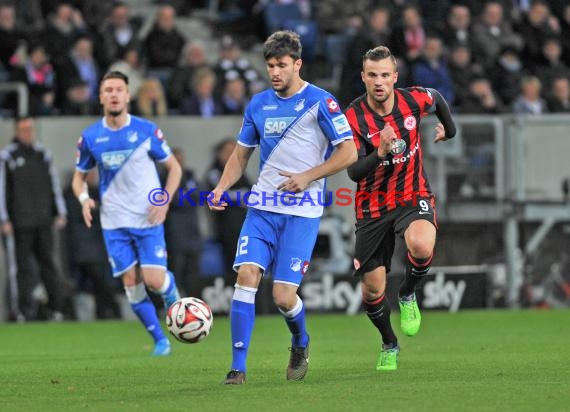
x=496, y=56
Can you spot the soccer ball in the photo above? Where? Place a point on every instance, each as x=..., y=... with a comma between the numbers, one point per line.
x=189, y=320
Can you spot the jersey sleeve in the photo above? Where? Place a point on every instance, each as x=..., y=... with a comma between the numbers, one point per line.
x=359, y=141
x=248, y=135
x=84, y=160
x=332, y=121
x=159, y=149
x=424, y=98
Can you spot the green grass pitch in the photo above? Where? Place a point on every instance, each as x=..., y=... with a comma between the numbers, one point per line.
x=470, y=361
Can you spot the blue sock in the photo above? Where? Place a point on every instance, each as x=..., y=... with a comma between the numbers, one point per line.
x=168, y=290
x=242, y=318
x=295, y=319
x=145, y=311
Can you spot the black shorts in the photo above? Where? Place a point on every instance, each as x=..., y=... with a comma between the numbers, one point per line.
x=376, y=238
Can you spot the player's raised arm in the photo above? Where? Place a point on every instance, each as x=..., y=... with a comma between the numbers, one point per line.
x=234, y=169
x=446, y=129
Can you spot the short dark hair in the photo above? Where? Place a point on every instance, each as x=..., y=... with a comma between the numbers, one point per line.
x=115, y=74
x=22, y=118
x=380, y=53
x=283, y=43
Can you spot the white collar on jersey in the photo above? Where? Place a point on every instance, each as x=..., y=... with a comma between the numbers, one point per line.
x=299, y=91
x=127, y=123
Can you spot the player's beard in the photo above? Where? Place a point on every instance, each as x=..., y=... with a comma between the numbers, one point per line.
x=379, y=100
x=114, y=113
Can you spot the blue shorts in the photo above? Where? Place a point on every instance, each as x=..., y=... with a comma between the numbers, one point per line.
x=128, y=246
x=277, y=243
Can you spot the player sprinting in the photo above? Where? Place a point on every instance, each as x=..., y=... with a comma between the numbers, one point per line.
x=296, y=125
x=124, y=149
x=394, y=197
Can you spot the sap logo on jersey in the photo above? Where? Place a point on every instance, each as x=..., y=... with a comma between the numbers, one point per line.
x=275, y=126
x=114, y=160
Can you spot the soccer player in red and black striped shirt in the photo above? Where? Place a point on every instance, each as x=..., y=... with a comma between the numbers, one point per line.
x=393, y=195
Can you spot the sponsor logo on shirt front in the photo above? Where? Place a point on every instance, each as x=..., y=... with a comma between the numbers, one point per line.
x=114, y=160
x=275, y=126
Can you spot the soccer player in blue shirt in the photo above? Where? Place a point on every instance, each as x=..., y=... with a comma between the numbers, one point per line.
x=124, y=149
x=303, y=137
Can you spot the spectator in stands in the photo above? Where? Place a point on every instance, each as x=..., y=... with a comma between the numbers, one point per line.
x=559, y=100
x=87, y=254
x=329, y=15
x=150, y=101
x=462, y=69
x=231, y=62
x=431, y=69
x=193, y=58
x=79, y=65
x=202, y=101
x=529, y=100
x=10, y=36
x=376, y=31
x=31, y=204
x=234, y=97
x=227, y=225
x=182, y=231
x=433, y=12
x=565, y=30
x=131, y=65
x=118, y=34
x=77, y=101
x=63, y=26
x=39, y=76
x=408, y=40
x=457, y=29
x=163, y=45
x=481, y=98
x=507, y=73
x=535, y=27
x=492, y=33
x=549, y=64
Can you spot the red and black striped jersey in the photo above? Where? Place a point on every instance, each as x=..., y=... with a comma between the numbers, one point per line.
x=401, y=177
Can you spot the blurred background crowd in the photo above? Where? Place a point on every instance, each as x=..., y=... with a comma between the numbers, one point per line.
x=197, y=57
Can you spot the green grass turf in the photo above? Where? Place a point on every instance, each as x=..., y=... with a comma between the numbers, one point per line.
x=479, y=361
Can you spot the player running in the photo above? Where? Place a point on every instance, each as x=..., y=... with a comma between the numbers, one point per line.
x=297, y=126
x=124, y=149
x=393, y=195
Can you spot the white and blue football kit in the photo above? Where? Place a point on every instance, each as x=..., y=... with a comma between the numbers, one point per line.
x=294, y=134
x=127, y=174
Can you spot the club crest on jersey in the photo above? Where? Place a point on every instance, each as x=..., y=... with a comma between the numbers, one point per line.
x=132, y=137
x=332, y=105
x=296, y=264
x=410, y=123
x=398, y=146
x=275, y=126
x=299, y=105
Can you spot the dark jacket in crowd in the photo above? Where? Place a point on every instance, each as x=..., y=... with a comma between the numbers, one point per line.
x=30, y=194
